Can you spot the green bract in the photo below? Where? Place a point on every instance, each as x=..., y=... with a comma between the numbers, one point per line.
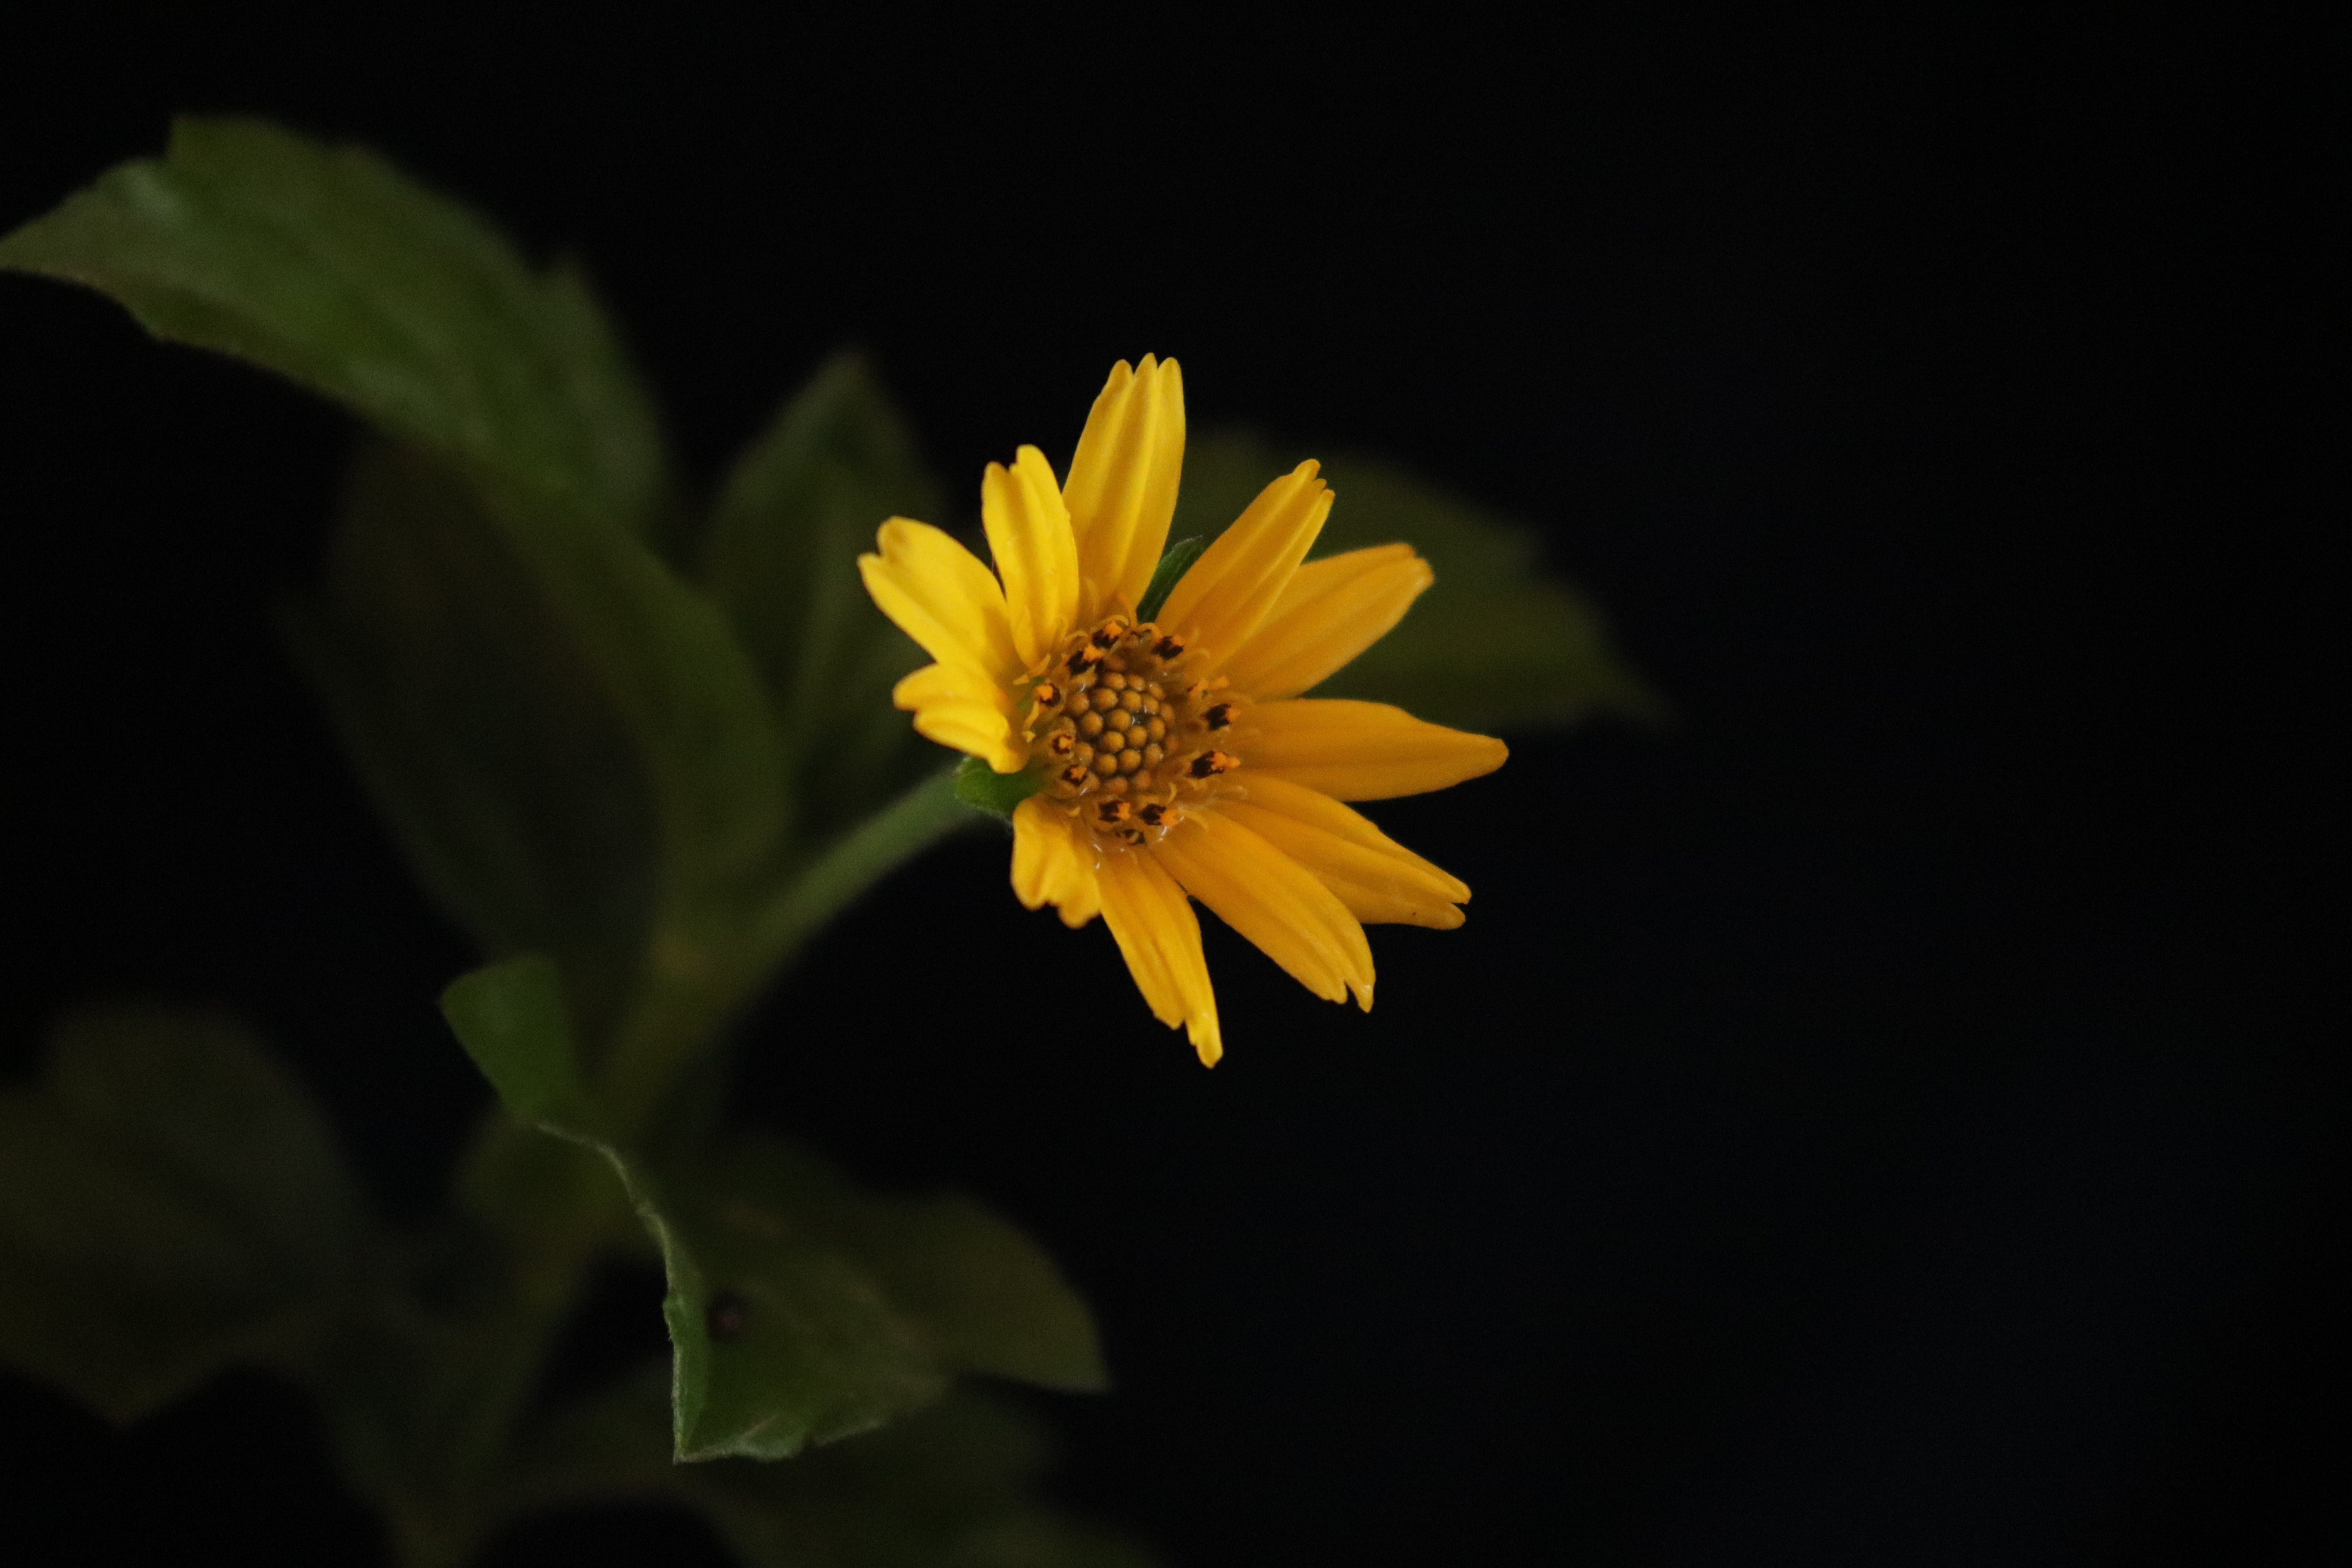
x=978, y=785
x=1174, y=562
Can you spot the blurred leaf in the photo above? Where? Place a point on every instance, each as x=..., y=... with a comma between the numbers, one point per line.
x=980, y=1295
x=511, y=1019
x=330, y=267
x=950, y=1487
x=781, y=558
x=169, y=1201
x=566, y=735
x=686, y=694
x=481, y=728
x=613, y=1443
x=1496, y=644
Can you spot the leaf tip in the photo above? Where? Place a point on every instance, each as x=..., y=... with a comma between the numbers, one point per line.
x=1177, y=560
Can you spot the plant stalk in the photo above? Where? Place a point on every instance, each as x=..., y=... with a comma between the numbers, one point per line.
x=693, y=991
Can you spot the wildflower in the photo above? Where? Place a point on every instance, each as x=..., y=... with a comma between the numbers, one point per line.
x=1168, y=748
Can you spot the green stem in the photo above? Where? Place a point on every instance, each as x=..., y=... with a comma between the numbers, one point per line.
x=905, y=828
x=691, y=993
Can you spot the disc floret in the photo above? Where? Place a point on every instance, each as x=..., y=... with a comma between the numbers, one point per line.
x=1142, y=774
x=1129, y=738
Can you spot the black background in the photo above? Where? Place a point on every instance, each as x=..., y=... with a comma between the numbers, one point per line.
x=1871, y=1121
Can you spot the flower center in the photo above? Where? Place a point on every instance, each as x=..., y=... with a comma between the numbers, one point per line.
x=1129, y=740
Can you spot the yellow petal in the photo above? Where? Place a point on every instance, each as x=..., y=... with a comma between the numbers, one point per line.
x=983, y=733
x=1029, y=534
x=1378, y=878
x=1272, y=901
x=1122, y=487
x=936, y=685
x=941, y=596
x=1221, y=601
x=1333, y=610
x=1051, y=865
x=1147, y=911
x=1361, y=751
x=958, y=705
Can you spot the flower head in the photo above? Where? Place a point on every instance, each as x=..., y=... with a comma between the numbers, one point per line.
x=1169, y=748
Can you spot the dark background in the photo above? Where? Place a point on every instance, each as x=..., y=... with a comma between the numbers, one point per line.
x=1872, y=1120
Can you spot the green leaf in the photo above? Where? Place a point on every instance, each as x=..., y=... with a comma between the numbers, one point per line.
x=527, y=432
x=778, y=1340
x=952, y=1487
x=980, y=1295
x=978, y=785
x=798, y=1311
x=1174, y=562
x=686, y=693
x=568, y=737
x=780, y=557
x=1496, y=644
x=482, y=729
x=328, y=266
x=955, y=1486
x=170, y=1201
x=802, y=1311
x=511, y=1019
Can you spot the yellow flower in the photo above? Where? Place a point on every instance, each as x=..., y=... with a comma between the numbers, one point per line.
x=1176, y=755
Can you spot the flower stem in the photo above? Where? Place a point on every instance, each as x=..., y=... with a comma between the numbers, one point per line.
x=902, y=830
x=685, y=1005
